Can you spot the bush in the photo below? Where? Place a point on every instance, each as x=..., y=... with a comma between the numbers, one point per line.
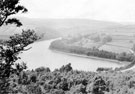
x=66, y=68
x=42, y=69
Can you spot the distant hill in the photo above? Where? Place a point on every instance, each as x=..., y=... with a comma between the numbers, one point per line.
x=53, y=28
x=64, y=27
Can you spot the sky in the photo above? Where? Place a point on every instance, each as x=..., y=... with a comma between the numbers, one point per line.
x=107, y=10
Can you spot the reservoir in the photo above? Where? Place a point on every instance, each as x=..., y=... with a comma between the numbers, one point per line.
x=40, y=55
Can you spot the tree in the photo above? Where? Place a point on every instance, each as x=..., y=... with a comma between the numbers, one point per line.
x=78, y=89
x=106, y=39
x=9, y=50
x=95, y=38
x=42, y=69
x=9, y=55
x=8, y=8
x=99, y=86
x=66, y=68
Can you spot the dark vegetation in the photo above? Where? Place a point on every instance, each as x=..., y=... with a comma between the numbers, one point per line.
x=62, y=45
x=65, y=80
x=9, y=52
x=8, y=8
x=10, y=49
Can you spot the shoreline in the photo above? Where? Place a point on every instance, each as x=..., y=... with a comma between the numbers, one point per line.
x=91, y=57
x=124, y=66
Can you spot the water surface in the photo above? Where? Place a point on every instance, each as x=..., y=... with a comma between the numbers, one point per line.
x=41, y=55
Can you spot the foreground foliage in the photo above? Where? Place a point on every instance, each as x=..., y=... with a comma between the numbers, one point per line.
x=68, y=81
x=9, y=52
x=9, y=8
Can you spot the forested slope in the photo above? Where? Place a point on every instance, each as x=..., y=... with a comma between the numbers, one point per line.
x=65, y=80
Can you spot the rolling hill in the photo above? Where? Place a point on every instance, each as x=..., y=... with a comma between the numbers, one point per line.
x=53, y=28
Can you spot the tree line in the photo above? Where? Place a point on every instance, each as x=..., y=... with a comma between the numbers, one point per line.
x=62, y=45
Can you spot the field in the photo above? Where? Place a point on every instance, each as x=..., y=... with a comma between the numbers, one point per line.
x=118, y=44
x=115, y=49
x=123, y=44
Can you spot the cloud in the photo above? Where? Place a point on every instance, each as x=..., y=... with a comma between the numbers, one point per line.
x=114, y=10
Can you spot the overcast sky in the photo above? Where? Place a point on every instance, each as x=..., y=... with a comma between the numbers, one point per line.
x=109, y=10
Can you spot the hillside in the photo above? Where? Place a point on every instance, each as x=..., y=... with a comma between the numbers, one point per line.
x=65, y=27
x=53, y=28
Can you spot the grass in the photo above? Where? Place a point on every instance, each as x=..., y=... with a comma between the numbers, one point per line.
x=119, y=44
x=115, y=49
x=123, y=44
